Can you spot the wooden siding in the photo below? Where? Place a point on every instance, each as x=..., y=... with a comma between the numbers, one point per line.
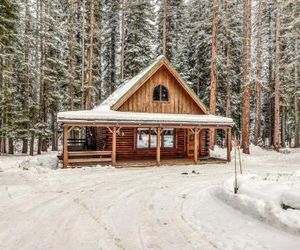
x=204, y=143
x=126, y=145
x=179, y=102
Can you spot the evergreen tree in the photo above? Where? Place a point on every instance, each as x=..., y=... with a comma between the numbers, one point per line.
x=111, y=37
x=139, y=36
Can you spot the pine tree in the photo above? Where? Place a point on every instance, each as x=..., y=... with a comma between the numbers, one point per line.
x=214, y=71
x=246, y=77
x=111, y=43
x=10, y=52
x=258, y=87
x=139, y=36
x=277, y=79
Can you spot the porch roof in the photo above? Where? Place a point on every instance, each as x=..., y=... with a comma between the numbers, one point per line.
x=138, y=118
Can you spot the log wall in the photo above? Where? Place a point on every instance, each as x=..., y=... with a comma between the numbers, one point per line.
x=126, y=145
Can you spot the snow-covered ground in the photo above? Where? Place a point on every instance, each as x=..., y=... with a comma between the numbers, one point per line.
x=171, y=207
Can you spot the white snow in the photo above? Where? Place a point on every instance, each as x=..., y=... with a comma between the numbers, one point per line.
x=146, y=208
x=291, y=198
x=136, y=117
x=262, y=196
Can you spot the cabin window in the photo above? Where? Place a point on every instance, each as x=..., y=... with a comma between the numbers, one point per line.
x=147, y=138
x=142, y=138
x=160, y=93
x=168, y=138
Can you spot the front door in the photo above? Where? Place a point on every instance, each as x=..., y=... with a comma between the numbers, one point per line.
x=190, y=143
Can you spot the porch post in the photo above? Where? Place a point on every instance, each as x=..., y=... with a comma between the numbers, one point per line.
x=114, y=146
x=65, y=146
x=196, y=133
x=158, y=146
x=228, y=144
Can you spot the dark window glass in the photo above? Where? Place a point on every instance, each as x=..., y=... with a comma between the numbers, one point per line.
x=160, y=93
x=164, y=94
x=156, y=93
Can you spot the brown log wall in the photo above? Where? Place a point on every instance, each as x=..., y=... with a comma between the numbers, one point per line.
x=126, y=145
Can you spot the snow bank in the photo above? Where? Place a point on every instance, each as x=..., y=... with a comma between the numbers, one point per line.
x=39, y=163
x=262, y=197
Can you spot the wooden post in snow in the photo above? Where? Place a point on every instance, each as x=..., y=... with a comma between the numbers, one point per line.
x=158, y=146
x=65, y=146
x=114, y=146
x=228, y=144
x=196, y=133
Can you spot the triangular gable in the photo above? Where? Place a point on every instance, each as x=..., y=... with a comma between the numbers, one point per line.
x=125, y=91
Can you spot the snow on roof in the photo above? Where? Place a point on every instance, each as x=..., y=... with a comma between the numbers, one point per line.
x=125, y=87
x=104, y=113
x=139, y=117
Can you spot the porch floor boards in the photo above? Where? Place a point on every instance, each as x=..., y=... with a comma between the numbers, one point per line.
x=168, y=162
x=152, y=163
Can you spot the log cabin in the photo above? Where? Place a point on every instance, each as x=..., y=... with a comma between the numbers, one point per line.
x=154, y=116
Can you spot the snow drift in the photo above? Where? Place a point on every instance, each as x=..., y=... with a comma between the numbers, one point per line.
x=264, y=197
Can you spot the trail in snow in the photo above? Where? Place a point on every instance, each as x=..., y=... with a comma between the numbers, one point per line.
x=151, y=208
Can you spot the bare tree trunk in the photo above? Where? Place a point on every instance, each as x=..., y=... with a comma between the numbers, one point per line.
x=122, y=55
x=82, y=99
x=89, y=98
x=113, y=61
x=246, y=77
x=165, y=28
x=41, y=94
x=277, y=79
x=283, y=127
x=296, y=76
x=214, y=71
x=4, y=147
x=269, y=117
x=228, y=61
x=36, y=82
x=258, y=87
x=54, y=127
x=2, y=100
x=31, y=152
x=71, y=54
x=26, y=79
x=297, y=121
x=10, y=146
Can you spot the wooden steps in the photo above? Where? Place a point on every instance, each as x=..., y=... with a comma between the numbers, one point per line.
x=89, y=153
x=88, y=160
x=88, y=157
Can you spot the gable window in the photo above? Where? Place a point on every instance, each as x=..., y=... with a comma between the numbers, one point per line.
x=160, y=93
x=147, y=138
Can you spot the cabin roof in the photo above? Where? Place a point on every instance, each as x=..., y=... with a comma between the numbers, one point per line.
x=119, y=96
x=107, y=112
x=142, y=118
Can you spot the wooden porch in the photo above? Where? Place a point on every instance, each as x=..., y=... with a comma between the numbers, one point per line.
x=169, y=162
x=87, y=155
x=153, y=163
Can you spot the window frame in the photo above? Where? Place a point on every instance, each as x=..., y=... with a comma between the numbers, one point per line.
x=136, y=136
x=161, y=86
